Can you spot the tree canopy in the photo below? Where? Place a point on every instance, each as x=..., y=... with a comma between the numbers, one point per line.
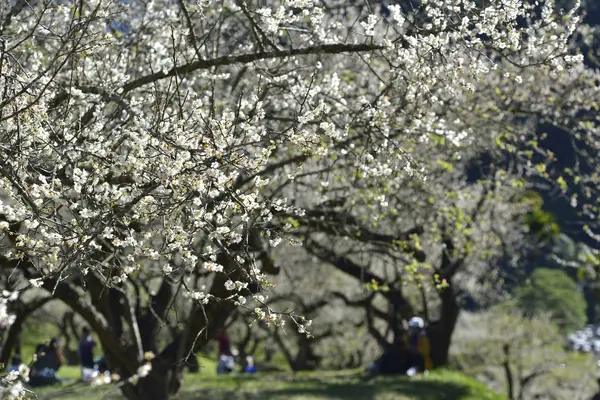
x=553, y=292
x=154, y=154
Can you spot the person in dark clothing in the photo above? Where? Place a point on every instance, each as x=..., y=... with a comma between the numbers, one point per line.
x=40, y=350
x=101, y=365
x=409, y=354
x=15, y=363
x=48, y=361
x=418, y=357
x=392, y=361
x=224, y=344
x=86, y=348
x=54, y=354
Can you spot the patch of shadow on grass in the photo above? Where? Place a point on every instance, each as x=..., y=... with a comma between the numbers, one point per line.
x=78, y=391
x=322, y=389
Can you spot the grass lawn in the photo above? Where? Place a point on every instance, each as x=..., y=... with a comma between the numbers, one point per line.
x=322, y=385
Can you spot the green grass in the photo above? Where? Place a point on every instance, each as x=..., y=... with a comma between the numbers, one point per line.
x=322, y=385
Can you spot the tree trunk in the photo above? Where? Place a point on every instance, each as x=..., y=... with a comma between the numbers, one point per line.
x=161, y=383
x=269, y=353
x=286, y=352
x=12, y=341
x=68, y=332
x=508, y=372
x=168, y=368
x=123, y=349
x=192, y=363
x=440, y=332
x=306, y=359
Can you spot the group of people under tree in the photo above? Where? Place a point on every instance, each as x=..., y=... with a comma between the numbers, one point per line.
x=409, y=353
x=48, y=359
x=226, y=357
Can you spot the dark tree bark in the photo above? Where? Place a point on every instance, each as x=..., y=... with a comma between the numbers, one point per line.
x=22, y=312
x=440, y=331
x=508, y=372
x=169, y=365
x=193, y=366
x=202, y=326
x=597, y=395
x=306, y=358
x=68, y=332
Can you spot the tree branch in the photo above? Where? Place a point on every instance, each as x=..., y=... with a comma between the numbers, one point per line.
x=248, y=58
x=341, y=223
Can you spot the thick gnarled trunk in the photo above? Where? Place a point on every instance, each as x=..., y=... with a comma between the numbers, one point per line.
x=440, y=332
x=168, y=368
x=22, y=312
x=161, y=383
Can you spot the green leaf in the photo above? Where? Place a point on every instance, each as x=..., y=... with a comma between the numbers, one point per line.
x=294, y=222
x=446, y=165
x=562, y=183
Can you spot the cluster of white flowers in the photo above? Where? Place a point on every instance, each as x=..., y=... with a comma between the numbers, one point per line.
x=235, y=286
x=11, y=389
x=369, y=25
x=269, y=317
x=302, y=324
x=7, y=318
x=149, y=149
x=213, y=267
x=203, y=298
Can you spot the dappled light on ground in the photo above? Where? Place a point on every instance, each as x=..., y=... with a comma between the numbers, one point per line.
x=350, y=385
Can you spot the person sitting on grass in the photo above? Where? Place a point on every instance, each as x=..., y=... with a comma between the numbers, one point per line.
x=46, y=365
x=416, y=343
x=392, y=361
x=408, y=354
x=15, y=363
x=100, y=364
x=250, y=367
x=55, y=355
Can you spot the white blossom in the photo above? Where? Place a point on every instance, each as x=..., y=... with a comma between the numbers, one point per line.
x=144, y=370
x=37, y=282
x=147, y=151
x=369, y=25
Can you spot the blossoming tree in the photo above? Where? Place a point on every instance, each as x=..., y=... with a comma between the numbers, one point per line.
x=153, y=152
